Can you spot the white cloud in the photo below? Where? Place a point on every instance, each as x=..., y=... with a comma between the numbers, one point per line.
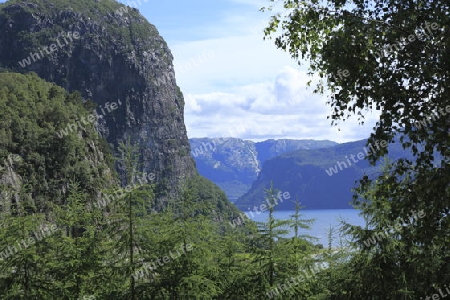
x=283, y=108
x=248, y=88
x=237, y=61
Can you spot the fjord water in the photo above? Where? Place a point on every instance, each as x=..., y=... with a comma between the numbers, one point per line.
x=324, y=218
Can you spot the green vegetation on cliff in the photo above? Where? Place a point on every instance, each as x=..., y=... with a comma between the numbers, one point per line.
x=32, y=112
x=109, y=53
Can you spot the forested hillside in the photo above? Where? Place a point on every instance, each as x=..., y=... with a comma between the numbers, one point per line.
x=68, y=228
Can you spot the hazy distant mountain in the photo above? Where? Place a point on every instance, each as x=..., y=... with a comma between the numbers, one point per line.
x=234, y=164
x=271, y=148
x=321, y=178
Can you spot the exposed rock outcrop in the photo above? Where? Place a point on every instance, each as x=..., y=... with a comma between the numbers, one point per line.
x=110, y=54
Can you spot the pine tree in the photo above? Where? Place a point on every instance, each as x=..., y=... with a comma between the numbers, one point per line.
x=76, y=255
x=128, y=214
x=268, y=255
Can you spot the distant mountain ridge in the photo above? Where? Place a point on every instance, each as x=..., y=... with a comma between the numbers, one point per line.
x=234, y=164
x=320, y=178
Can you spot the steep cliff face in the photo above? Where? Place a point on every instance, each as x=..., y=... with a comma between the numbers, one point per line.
x=113, y=56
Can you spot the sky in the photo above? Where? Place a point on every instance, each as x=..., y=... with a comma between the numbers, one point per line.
x=235, y=83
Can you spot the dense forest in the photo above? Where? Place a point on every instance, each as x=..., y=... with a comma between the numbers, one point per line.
x=67, y=245
x=81, y=218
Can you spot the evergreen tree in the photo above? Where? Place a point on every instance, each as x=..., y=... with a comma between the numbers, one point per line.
x=77, y=256
x=20, y=277
x=129, y=211
x=268, y=255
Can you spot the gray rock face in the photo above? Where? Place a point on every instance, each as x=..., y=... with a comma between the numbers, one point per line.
x=114, y=57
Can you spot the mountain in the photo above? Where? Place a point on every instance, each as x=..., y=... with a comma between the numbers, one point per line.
x=320, y=178
x=114, y=57
x=234, y=164
x=271, y=148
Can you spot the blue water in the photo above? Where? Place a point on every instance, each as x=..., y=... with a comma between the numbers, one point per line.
x=324, y=218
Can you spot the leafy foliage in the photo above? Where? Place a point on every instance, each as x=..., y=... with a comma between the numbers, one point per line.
x=394, y=55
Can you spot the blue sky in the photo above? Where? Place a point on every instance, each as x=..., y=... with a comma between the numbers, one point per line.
x=249, y=88
x=237, y=84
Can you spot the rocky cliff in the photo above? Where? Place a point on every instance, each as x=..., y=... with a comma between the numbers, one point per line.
x=113, y=56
